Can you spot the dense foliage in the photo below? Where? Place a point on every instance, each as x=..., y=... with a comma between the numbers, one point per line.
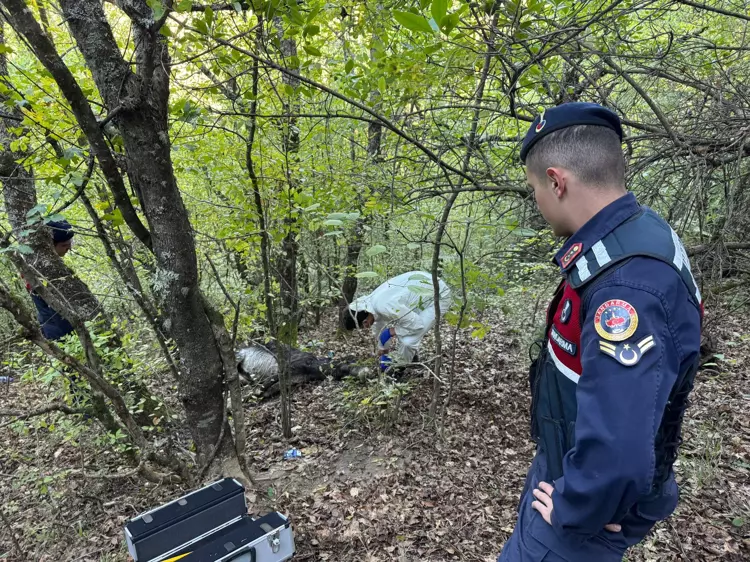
x=314, y=145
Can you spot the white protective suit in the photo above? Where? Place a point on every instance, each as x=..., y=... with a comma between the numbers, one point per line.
x=405, y=303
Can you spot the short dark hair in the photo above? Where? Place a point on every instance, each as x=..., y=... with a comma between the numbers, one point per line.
x=351, y=323
x=593, y=153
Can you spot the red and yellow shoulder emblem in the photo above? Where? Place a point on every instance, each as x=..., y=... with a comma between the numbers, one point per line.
x=574, y=250
x=616, y=320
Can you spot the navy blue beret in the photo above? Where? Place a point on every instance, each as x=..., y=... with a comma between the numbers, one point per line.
x=568, y=115
x=61, y=231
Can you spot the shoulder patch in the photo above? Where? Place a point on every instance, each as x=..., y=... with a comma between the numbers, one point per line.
x=626, y=353
x=574, y=250
x=616, y=320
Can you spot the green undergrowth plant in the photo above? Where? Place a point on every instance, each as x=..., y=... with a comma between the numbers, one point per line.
x=374, y=404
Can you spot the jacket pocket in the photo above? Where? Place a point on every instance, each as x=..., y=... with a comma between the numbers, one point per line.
x=659, y=506
x=553, y=440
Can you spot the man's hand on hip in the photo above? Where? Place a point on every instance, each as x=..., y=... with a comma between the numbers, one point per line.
x=543, y=504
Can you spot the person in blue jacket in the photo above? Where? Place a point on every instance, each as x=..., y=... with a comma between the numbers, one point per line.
x=54, y=326
x=620, y=353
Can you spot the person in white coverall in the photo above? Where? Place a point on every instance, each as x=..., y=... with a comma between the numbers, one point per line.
x=401, y=308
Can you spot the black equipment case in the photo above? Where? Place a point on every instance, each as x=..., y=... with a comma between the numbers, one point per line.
x=209, y=525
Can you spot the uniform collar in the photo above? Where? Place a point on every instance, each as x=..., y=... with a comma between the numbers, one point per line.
x=601, y=224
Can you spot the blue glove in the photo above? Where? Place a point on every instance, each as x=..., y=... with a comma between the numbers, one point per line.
x=385, y=362
x=385, y=336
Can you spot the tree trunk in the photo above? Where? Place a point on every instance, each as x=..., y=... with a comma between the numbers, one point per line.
x=137, y=105
x=478, y=95
x=349, y=286
x=355, y=243
x=289, y=311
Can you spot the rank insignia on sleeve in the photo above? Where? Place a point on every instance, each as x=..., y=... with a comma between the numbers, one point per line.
x=616, y=320
x=627, y=354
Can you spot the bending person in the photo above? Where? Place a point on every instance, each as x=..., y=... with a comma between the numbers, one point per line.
x=403, y=309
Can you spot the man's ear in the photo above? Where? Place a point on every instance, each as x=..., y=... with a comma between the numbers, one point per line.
x=557, y=179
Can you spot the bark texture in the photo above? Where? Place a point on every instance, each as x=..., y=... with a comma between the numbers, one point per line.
x=137, y=104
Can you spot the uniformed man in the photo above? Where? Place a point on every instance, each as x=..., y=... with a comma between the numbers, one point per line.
x=400, y=310
x=620, y=353
x=54, y=326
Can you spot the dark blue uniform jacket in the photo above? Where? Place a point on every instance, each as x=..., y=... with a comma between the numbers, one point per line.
x=622, y=341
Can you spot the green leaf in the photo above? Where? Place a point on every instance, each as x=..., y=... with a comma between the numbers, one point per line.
x=413, y=246
x=423, y=290
x=349, y=66
x=24, y=249
x=157, y=7
x=366, y=275
x=165, y=31
x=738, y=521
x=117, y=219
x=314, y=12
x=209, y=15
x=184, y=6
x=4, y=49
x=413, y=22
x=295, y=16
x=338, y=216
x=375, y=250
x=36, y=210
x=312, y=50
x=480, y=332
x=333, y=222
x=311, y=207
x=381, y=85
x=289, y=89
x=237, y=7
x=334, y=233
x=76, y=179
x=449, y=22
x=311, y=30
x=438, y=9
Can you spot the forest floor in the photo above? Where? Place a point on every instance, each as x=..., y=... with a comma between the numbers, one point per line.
x=369, y=490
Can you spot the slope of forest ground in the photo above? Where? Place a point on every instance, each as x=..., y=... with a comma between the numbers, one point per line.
x=368, y=491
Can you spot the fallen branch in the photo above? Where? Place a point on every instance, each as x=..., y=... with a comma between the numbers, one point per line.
x=13, y=539
x=728, y=246
x=55, y=407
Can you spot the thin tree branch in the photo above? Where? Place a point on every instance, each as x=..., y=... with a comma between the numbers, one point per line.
x=13, y=539
x=381, y=119
x=706, y=247
x=22, y=20
x=641, y=92
x=715, y=10
x=80, y=189
x=55, y=407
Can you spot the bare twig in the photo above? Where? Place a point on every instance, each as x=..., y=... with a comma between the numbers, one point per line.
x=715, y=10
x=13, y=539
x=80, y=189
x=55, y=407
